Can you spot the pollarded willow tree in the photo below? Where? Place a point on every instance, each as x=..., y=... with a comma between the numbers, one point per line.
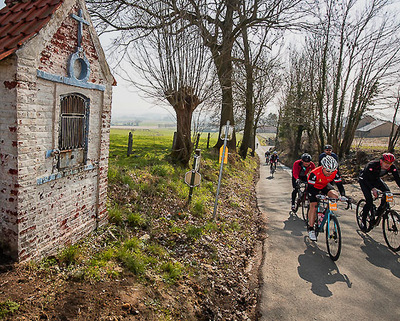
x=218, y=24
x=354, y=56
x=172, y=65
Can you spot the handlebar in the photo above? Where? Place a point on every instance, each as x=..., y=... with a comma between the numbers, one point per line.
x=341, y=198
x=382, y=194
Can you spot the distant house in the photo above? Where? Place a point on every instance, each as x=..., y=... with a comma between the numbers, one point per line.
x=55, y=111
x=375, y=125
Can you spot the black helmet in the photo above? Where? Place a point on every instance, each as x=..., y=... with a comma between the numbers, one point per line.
x=306, y=157
x=328, y=147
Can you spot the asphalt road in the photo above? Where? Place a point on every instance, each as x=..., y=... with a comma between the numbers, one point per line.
x=301, y=282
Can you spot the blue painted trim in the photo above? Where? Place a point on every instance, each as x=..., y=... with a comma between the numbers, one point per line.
x=65, y=173
x=68, y=81
x=85, y=66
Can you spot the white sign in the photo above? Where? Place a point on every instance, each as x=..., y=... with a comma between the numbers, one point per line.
x=188, y=178
x=230, y=132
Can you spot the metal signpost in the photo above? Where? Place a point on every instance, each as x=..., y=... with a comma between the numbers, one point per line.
x=193, y=177
x=226, y=134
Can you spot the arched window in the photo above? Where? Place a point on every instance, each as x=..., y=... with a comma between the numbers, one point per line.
x=74, y=126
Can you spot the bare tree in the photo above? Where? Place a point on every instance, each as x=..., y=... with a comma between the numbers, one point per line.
x=254, y=44
x=395, y=130
x=218, y=24
x=353, y=57
x=174, y=67
x=297, y=113
x=265, y=83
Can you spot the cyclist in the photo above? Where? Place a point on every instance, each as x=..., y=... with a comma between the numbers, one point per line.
x=274, y=159
x=300, y=170
x=370, y=180
x=319, y=183
x=328, y=150
x=267, y=153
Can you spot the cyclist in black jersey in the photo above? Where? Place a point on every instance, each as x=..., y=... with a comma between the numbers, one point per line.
x=370, y=180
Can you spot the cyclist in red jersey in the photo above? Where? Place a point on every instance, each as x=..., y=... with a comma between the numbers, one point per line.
x=319, y=183
x=301, y=168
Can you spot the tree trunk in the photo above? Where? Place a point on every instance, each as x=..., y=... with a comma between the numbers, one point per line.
x=225, y=68
x=249, y=121
x=183, y=146
x=296, y=147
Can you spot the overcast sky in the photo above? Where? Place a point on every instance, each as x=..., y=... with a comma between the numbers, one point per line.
x=126, y=101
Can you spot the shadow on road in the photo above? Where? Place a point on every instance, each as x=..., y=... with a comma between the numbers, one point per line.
x=317, y=268
x=294, y=224
x=379, y=255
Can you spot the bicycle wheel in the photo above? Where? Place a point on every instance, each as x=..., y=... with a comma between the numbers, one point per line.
x=305, y=205
x=359, y=214
x=391, y=233
x=333, y=238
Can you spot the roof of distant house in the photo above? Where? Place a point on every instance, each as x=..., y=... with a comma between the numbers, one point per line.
x=374, y=124
x=20, y=20
x=384, y=116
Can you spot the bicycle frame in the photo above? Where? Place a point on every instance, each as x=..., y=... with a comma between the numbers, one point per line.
x=323, y=207
x=333, y=237
x=386, y=207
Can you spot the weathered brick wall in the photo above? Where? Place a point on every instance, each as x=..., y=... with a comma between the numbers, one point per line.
x=55, y=56
x=8, y=156
x=63, y=210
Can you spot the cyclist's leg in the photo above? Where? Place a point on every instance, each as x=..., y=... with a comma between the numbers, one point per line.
x=312, y=196
x=383, y=188
x=294, y=192
x=368, y=200
x=333, y=194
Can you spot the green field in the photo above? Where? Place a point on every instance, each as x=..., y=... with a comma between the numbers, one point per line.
x=150, y=146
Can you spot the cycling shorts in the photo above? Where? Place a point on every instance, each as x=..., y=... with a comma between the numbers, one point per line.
x=313, y=192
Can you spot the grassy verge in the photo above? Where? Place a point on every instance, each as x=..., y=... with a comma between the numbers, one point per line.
x=187, y=265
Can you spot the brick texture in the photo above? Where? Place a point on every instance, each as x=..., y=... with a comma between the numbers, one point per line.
x=36, y=220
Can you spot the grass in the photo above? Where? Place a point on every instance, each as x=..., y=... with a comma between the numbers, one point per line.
x=8, y=307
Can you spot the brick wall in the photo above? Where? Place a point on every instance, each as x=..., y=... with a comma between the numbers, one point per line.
x=61, y=211
x=8, y=156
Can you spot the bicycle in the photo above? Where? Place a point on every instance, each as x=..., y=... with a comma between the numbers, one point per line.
x=325, y=216
x=302, y=200
x=389, y=217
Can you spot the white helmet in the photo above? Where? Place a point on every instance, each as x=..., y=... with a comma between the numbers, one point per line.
x=329, y=163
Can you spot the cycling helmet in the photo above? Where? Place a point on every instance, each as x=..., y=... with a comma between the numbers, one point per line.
x=306, y=157
x=275, y=152
x=388, y=157
x=328, y=147
x=329, y=163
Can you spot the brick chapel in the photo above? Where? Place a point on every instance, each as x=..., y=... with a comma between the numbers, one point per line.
x=55, y=112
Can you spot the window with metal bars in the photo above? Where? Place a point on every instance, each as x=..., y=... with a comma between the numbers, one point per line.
x=73, y=129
